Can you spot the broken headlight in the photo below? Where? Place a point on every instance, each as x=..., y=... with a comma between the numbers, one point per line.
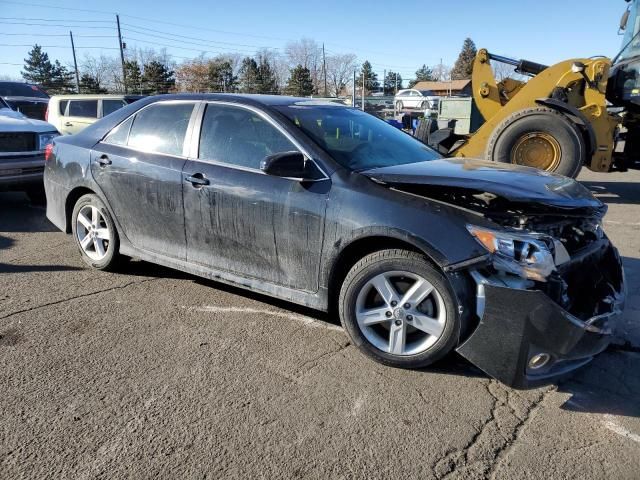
x=529, y=256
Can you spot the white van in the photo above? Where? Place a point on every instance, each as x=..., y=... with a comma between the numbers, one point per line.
x=72, y=113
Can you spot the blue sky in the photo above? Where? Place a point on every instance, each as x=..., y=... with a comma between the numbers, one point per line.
x=400, y=36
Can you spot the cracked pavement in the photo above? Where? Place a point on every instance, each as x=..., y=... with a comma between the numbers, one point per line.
x=154, y=373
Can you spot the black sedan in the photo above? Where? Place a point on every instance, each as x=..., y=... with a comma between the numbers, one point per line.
x=329, y=207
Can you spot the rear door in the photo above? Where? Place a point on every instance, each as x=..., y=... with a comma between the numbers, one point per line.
x=240, y=220
x=79, y=114
x=138, y=167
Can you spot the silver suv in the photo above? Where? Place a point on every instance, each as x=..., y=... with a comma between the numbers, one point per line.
x=23, y=142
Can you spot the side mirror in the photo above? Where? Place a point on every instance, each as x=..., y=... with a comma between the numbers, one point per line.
x=293, y=165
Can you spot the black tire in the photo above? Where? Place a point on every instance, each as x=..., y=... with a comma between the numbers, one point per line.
x=399, y=106
x=112, y=258
x=406, y=261
x=573, y=149
x=37, y=196
x=423, y=131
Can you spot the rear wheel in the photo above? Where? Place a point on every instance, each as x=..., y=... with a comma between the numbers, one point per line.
x=95, y=233
x=540, y=138
x=398, y=309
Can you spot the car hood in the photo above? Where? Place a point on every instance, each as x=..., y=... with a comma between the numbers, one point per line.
x=513, y=183
x=12, y=121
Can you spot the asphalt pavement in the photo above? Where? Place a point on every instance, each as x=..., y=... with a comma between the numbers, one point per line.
x=151, y=373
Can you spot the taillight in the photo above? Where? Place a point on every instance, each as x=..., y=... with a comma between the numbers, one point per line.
x=48, y=150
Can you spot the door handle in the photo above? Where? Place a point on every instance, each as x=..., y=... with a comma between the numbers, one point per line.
x=68, y=124
x=103, y=161
x=197, y=180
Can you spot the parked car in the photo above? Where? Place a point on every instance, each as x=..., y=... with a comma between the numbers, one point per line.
x=26, y=98
x=416, y=99
x=71, y=113
x=330, y=207
x=22, y=149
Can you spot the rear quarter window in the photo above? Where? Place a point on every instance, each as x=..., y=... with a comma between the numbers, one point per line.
x=110, y=106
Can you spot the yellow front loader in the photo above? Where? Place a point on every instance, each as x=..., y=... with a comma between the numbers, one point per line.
x=556, y=121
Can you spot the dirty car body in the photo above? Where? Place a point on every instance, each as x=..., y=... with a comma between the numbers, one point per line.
x=536, y=282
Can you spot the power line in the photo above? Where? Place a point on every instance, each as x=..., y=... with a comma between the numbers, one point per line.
x=55, y=25
x=55, y=46
x=54, y=20
x=56, y=35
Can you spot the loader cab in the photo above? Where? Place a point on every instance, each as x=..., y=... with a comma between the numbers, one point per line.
x=624, y=81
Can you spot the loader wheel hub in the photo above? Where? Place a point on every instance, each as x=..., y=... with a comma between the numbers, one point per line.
x=539, y=150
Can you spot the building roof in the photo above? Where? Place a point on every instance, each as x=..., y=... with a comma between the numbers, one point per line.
x=453, y=85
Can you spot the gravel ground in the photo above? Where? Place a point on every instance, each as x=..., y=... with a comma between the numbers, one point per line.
x=154, y=373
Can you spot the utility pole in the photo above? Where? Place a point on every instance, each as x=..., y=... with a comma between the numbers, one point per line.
x=324, y=70
x=384, y=82
x=363, y=90
x=124, y=73
x=353, y=93
x=396, y=91
x=75, y=62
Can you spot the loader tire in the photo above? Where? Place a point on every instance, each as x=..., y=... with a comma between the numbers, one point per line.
x=540, y=138
x=423, y=131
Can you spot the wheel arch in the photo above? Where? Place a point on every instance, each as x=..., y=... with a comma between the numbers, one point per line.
x=359, y=247
x=578, y=118
x=70, y=202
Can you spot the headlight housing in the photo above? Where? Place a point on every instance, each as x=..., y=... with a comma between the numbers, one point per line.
x=527, y=255
x=46, y=138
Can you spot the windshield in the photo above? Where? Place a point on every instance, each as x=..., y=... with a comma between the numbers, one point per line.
x=357, y=140
x=631, y=38
x=15, y=89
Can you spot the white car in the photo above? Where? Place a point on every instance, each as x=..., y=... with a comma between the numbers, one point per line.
x=416, y=99
x=23, y=141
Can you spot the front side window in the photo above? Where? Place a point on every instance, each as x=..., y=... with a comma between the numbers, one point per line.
x=357, y=140
x=161, y=128
x=83, y=108
x=110, y=106
x=238, y=136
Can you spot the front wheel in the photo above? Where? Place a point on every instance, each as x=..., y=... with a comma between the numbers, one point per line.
x=95, y=233
x=399, y=310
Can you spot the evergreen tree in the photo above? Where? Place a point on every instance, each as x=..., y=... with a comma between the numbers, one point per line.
x=267, y=79
x=134, y=76
x=38, y=68
x=89, y=84
x=464, y=64
x=300, y=83
x=423, y=74
x=157, y=78
x=371, y=83
x=221, y=77
x=248, y=76
x=392, y=83
x=61, y=80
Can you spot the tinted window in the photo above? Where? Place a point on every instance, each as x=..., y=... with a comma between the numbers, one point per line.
x=239, y=136
x=161, y=128
x=357, y=140
x=63, y=106
x=83, y=108
x=110, y=106
x=120, y=134
x=15, y=89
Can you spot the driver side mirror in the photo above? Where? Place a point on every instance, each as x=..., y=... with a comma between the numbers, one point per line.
x=293, y=165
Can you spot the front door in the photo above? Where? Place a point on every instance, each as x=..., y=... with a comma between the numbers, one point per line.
x=138, y=167
x=240, y=220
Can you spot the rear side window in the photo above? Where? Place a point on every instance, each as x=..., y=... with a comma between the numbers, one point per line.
x=83, y=108
x=120, y=134
x=238, y=136
x=161, y=128
x=110, y=106
x=63, y=106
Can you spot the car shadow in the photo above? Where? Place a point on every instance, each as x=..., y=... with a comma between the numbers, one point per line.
x=9, y=268
x=18, y=214
x=626, y=193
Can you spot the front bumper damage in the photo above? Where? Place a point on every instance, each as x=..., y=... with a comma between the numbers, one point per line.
x=519, y=324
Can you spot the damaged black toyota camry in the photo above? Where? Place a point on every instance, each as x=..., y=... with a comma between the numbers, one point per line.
x=329, y=207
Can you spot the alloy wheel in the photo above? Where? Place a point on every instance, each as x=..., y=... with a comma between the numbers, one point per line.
x=400, y=313
x=92, y=232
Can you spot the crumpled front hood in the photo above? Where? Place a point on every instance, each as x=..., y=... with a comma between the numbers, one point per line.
x=12, y=121
x=511, y=182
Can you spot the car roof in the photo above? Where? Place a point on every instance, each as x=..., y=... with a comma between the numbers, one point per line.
x=92, y=96
x=248, y=98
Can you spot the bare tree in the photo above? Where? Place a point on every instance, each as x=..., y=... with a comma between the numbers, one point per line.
x=340, y=68
x=308, y=53
x=107, y=71
x=441, y=72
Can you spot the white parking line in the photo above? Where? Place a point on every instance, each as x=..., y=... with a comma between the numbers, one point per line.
x=615, y=222
x=619, y=429
x=308, y=321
